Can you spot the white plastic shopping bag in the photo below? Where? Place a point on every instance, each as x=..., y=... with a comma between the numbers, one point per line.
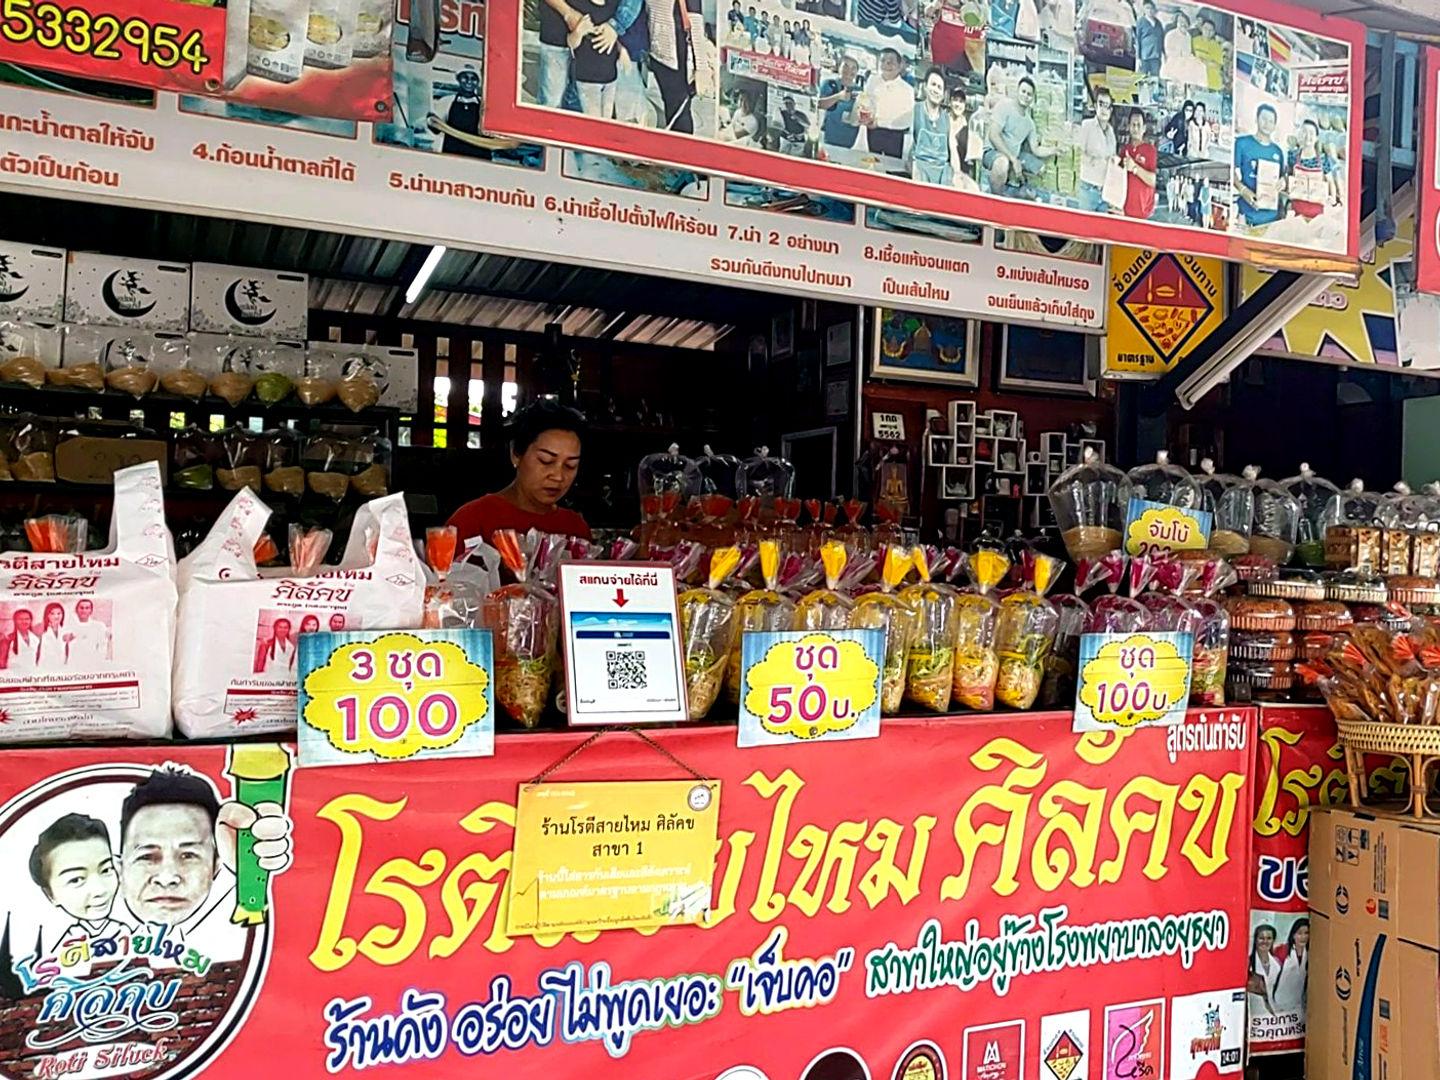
x=237, y=644
x=85, y=639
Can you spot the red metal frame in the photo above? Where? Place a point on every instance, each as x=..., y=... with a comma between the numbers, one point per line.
x=505, y=114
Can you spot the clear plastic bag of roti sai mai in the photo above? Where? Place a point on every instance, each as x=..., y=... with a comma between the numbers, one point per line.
x=883, y=609
x=707, y=626
x=930, y=667
x=758, y=610
x=976, y=613
x=525, y=622
x=827, y=608
x=1025, y=633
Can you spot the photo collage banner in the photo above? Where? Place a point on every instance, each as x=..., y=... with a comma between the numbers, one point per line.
x=1162, y=123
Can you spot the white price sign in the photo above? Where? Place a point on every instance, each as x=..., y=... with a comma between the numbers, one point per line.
x=624, y=661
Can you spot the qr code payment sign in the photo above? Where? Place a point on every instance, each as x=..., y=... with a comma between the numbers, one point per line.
x=625, y=670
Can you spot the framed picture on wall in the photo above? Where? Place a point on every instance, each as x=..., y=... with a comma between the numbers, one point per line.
x=1054, y=361
x=915, y=346
x=782, y=335
x=814, y=453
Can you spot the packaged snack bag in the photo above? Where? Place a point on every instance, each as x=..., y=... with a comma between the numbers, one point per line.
x=454, y=592
x=707, y=624
x=930, y=667
x=976, y=663
x=1025, y=633
x=1062, y=663
x=86, y=638
x=525, y=621
x=759, y=609
x=884, y=610
x=1212, y=635
x=827, y=608
x=237, y=644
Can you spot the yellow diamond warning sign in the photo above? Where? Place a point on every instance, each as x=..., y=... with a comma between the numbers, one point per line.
x=1063, y=1058
x=1161, y=306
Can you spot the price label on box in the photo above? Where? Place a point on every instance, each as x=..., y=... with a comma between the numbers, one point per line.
x=380, y=696
x=1132, y=680
x=801, y=686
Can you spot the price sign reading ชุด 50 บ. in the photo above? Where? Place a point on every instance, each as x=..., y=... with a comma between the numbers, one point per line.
x=1132, y=680
x=377, y=696
x=810, y=686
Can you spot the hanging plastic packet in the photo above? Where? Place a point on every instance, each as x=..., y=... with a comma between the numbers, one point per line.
x=1026, y=632
x=1110, y=613
x=884, y=610
x=525, y=622
x=887, y=530
x=759, y=610
x=57, y=534
x=827, y=608
x=243, y=452
x=1210, y=654
x=930, y=666
x=707, y=624
x=266, y=553
x=308, y=548
x=1168, y=610
x=976, y=613
x=452, y=600
x=1062, y=664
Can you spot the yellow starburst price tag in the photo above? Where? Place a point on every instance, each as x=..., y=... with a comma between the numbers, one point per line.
x=806, y=686
x=377, y=696
x=1132, y=680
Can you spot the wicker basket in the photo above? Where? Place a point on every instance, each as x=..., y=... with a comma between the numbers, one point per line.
x=1417, y=744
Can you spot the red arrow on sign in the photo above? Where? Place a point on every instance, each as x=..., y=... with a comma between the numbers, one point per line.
x=620, y=600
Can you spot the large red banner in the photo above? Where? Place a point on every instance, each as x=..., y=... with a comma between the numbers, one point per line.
x=1300, y=767
x=993, y=898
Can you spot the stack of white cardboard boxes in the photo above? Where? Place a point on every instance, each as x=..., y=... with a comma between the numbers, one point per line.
x=1374, y=978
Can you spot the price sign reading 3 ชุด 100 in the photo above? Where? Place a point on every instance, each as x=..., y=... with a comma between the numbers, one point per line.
x=381, y=696
x=810, y=686
x=1132, y=680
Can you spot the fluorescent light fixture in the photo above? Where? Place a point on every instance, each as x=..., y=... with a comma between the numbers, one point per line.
x=422, y=277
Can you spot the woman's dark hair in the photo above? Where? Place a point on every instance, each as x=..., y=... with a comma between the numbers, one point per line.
x=63, y=831
x=1255, y=943
x=544, y=415
x=1295, y=929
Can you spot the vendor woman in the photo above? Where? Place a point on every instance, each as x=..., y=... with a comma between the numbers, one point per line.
x=545, y=449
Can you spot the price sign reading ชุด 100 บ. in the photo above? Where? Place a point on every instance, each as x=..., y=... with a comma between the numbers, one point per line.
x=1132, y=680
x=378, y=696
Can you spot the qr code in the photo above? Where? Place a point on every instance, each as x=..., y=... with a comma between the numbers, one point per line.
x=626, y=670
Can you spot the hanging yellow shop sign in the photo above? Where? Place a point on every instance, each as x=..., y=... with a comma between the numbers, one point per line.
x=608, y=856
x=1161, y=306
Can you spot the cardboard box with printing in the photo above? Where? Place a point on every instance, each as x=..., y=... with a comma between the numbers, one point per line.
x=1374, y=970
